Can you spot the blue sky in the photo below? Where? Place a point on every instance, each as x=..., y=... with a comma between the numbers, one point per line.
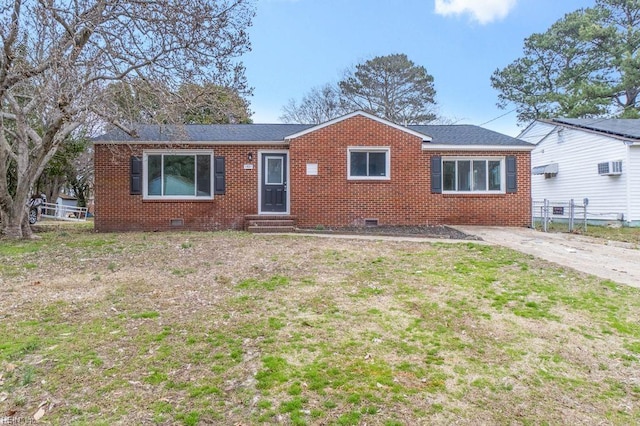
x=301, y=44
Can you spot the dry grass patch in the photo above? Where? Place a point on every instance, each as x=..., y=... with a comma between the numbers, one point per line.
x=231, y=328
x=624, y=234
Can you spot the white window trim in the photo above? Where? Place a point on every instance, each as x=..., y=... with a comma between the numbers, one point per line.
x=145, y=173
x=503, y=175
x=385, y=149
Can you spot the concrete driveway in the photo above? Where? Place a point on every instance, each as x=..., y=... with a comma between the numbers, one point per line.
x=619, y=262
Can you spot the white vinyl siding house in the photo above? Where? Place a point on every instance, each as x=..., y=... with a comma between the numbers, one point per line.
x=567, y=163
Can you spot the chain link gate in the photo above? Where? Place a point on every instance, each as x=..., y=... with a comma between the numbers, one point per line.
x=563, y=216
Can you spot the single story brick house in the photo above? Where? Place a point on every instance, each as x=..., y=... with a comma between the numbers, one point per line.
x=355, y=170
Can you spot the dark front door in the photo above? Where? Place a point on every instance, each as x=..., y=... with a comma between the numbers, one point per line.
x=274, y=183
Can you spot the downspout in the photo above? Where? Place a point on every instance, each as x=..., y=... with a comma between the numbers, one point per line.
x=627, y=172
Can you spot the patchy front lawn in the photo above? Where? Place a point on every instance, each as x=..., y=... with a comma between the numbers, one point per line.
x=232, y=328
x=628, y=235
x=605, y=233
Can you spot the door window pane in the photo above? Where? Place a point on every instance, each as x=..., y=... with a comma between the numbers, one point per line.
x=274, y=171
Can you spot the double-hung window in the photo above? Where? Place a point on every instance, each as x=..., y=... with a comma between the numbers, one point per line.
x=369, y=163
x=479, y=175
x=178, y=174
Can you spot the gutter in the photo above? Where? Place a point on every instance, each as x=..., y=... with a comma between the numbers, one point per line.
x=627, y=173
x=170, y=143
x=427, y=146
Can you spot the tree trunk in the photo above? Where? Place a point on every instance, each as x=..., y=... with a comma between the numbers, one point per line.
x=15, y=221
x=26, y=226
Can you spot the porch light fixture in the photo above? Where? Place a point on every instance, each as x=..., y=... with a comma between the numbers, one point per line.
x=250, y=156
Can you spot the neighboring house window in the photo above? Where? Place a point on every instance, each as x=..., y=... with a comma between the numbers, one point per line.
x=371, y=163
x=178, y=175
x=484, y=175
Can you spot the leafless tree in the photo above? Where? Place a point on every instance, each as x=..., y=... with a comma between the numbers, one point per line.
x=57, y=58
x=319, y=105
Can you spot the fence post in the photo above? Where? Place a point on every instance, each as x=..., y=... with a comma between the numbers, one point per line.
x=571, y=214
x=545, y=215
x=585, y=202
x=533, y=214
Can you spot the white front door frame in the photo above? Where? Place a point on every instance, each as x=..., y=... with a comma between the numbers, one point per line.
x=261, y=180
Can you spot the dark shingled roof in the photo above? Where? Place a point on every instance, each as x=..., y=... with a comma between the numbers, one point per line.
x=623, y=127
x=466, y=134
x=207, y=133
x=440, y=134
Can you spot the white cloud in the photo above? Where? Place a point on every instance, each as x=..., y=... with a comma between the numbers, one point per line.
x=483, y=11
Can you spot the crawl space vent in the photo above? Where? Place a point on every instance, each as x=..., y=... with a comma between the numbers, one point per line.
x=177, y=222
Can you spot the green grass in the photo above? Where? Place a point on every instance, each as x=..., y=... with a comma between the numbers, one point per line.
x=613, y=233
x=17, y=248
x=625, y=234
x=239, y=329
x=269, y=284
x=146, y=315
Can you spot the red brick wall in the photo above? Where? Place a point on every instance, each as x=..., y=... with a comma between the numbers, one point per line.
x=329, y=199
x=117, y=210
x=499, y=210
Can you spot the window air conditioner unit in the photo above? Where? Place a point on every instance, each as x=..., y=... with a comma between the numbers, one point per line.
x=610, y=168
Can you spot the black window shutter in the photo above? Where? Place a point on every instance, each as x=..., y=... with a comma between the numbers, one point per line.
x=136, y=176
x=512, y=184
x=218, y=176
x=436, y=174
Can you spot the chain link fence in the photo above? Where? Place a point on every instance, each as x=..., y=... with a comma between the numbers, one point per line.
x=563, y=216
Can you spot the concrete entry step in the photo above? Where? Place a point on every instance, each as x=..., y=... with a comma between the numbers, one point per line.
x=270, y=217
x=270, y=223
x=279, y=222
